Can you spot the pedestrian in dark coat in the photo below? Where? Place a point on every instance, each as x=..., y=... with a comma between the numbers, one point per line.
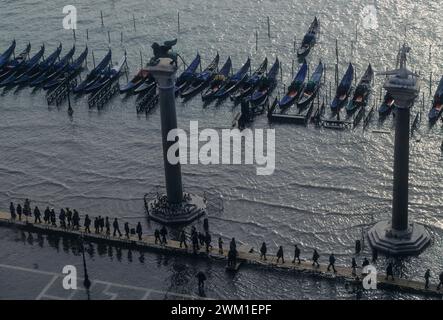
x=280, y=255
x=296, y=254
x=53, y=218
x=116, y=227
x=220, y=245
x=126, y=226
x=157, y=236
x=263, y=251
x=183, y=239
x=37, y=215
x=139, y=231
x=12, y=211
x=164, y=233
x=47, y=215
x=315, y=257
x=390, y=271
x=87, y=224
x=19, y=212
x=332, y=263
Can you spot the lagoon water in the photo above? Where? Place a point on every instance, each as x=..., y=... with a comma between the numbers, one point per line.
x=327, y=188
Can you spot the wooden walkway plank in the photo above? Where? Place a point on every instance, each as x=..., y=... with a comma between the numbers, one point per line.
x=244, y=257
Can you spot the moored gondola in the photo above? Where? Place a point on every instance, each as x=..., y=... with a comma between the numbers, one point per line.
x=343, y=90
x=94, y=74
x=185, y=79
x=387, y=106
x=110, y=75
x=4, y=57
x=267, y=84
x=202, y=79
x=311, y=89
x=218, y=81
x=309, y=39
x=295, y=88
x=437, y=103
x=45, y=65
x=362, y=92
x=54, y=70
x=234, y=82
x=135, y=82
x=23, y=67
x=71, y=71
x=248, y=86
x=15, y=64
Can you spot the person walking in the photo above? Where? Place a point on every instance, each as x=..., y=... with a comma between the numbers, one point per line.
x=157, y=236
x=12, y=211
x=194, y=239
x=116, y=227
x=332, y=263
x=280, y=255
x=183, y=239
x=296, y=254
x=440, y=278
x=107, y=226
x=208, y=241
x=201, y=238
x=76, y=220
x=164, y=233
x=354, y=267
x=220, y=245
x=27, y=209
x=87, y=224
x=47, y=215
x=201, y=280
x=389, y=271
x=62, y=218
x=53, y=218
x=69, y=217
x=96, y=225
x=19, y=212
x=139, y=231
x=427, y=276
x=37, y=215
x=233, y=245
x=126, y=227
x=263, y=251
x=101, y=223
x=315, y=257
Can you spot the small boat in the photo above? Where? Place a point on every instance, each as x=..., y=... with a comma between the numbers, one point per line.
x=202, y=79
x=343, y=90
x=295, y=88
x=34, y=73
x=311, y=89
x=248, y=86
x=147, y=85
x=16, y=63
x=218, y=81
x=187, y=76
x=309, y=39
x=266, y=85
x=135, y=82
x=71, y=71
x=437, y=102
x=234, y=82
x=4, y=57
x=147, y=101
x=94, y=74
x=23, y=68
x=362, y=91
x=54, y=70
x=110, y=75
x=387, y=106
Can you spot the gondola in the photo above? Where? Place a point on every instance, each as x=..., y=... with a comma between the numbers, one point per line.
x=295, y=88
x=135, y=82
x=15, y=64
x=146, y=86
x=248, y=86
x=311, y=89
x=437, y=103
x=71, y=71
x=309, y=39
x=45, y=65
x=234, y=82
x=4, y=57
x=147, y=101
x=218, y=81
x=55, y=69
x=343, y=90
x=387, y=106
x=202, y=79
x=362, y=91
x=185, y=79
x=22, y=68
x=94, y=74
x=110, y=75
x=266, y=85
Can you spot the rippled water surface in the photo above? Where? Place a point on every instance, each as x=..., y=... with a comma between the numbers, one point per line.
x=328, y=186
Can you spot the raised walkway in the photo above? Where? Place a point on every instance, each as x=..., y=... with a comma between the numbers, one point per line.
x=244, y=257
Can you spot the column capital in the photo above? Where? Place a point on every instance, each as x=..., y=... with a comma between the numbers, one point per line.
x=164, y=72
